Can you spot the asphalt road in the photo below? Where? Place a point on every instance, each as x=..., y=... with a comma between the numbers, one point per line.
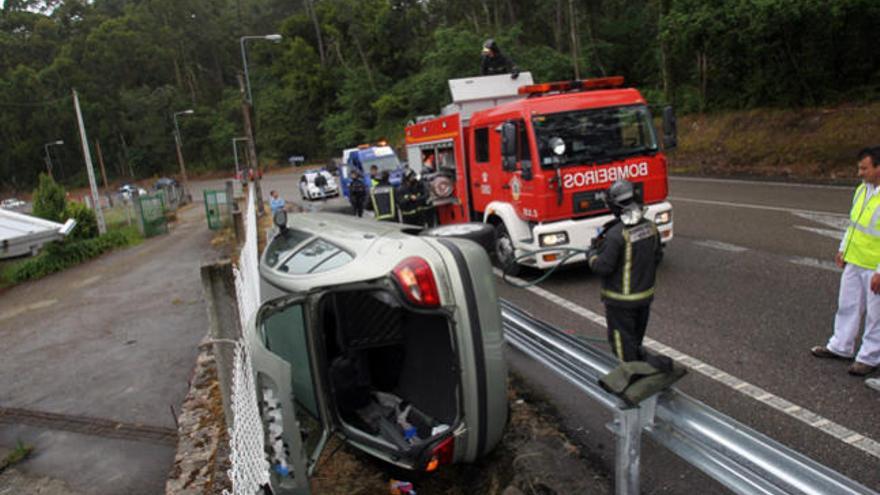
x=94, y=358
x=747, y=286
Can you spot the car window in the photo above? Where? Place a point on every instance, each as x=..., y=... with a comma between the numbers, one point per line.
x=284, y=334
x=315, y=257
x=283, y=243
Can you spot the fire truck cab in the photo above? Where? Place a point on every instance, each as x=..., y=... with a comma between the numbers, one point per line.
x=534, y=160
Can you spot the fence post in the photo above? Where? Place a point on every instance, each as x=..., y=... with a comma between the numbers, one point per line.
x=218, y=284
x=229, y=201
x=237, y=222
x=628, y=452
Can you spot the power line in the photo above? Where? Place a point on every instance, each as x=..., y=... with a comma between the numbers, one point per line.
x=35, y=103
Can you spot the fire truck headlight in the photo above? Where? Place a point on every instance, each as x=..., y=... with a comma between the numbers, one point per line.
x=553, y=239
x=663, y=218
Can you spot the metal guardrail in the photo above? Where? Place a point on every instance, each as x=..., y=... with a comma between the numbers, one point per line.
x=740, y=458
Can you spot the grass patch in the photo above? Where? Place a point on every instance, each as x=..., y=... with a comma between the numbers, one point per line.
x=808, y=143
x=20, y=453
x=60, y=255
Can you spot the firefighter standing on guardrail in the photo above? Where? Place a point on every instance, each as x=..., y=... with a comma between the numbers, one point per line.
x=626, y=254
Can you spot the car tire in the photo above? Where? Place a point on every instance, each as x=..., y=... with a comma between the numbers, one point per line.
x=503, y=251
x=479, y=232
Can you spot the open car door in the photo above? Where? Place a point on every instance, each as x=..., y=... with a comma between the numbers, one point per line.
x=291, y=407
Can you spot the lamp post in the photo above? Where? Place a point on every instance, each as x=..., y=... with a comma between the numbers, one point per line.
x=246, y=110
x=49, y=157
x=271, y=37
x=179, y=143
x=235, y=152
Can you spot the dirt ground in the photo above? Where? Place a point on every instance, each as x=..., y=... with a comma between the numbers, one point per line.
x=533, y=458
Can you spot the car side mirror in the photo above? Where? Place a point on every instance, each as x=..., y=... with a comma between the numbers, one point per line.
x=670, y=132
x=508, y=146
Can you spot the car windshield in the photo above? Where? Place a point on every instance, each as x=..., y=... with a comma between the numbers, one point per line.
x=384, y=163
x=317, y=256
x=283, y=243
x=596, y=136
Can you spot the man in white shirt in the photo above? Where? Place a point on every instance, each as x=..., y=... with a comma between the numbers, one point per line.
x=859, y=256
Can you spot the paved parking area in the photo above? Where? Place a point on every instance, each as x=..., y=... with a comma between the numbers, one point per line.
x=96, y=361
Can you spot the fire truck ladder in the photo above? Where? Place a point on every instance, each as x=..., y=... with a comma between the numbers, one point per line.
x=740, y=458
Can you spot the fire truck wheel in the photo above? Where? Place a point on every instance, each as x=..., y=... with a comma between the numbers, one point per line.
x=482, y=234
x=504, y=251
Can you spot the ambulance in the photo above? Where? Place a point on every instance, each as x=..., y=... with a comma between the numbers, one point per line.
x=533, y=161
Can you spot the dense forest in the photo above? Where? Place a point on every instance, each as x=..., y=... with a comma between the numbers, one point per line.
x=349, y=71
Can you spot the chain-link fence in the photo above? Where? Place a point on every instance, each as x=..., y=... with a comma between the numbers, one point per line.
x=250, y=469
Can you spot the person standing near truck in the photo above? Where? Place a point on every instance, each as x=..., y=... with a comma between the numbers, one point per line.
x=357, y=193
x=626, y=255
x=859, y=256
x=492, y=61
x=412, y=199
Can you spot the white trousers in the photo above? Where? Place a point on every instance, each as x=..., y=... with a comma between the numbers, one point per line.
x=856, y=299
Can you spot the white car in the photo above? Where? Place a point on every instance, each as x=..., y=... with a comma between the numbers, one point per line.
x=12, y=203
x=391, y=340
x=317, y=184
x=127, y=190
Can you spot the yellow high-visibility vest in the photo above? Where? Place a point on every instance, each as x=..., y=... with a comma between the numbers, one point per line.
x=862, y=243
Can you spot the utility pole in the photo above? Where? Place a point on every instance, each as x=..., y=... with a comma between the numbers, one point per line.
x=252, y=149
x=96, y=200
x=178, y=142
x=101, y=163
x=103, y=171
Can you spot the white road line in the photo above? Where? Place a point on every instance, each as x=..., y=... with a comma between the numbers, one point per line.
x=804, y=415
x=834, y=234
x=794, y=211
x=675, y=178
x=733, y=248
x=45, y=303
x=814, y=263
x=836, y=221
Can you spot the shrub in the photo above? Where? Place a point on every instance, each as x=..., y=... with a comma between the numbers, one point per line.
x=49, y=199
x=60, y=255
x=86, y=221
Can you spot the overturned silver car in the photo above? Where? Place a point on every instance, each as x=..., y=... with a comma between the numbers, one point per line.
x=390, y=339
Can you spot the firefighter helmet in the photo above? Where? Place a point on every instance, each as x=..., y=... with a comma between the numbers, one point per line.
x=621, y=200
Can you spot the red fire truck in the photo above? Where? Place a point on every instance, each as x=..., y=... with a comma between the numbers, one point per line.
x=533, y=160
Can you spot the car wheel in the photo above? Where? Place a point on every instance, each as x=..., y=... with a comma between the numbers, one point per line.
x=482, y=234
x=505, y=254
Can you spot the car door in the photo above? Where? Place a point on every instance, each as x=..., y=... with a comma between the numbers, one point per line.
x=288, y=388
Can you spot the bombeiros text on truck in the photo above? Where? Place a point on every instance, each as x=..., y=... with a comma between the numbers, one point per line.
x=533, y=160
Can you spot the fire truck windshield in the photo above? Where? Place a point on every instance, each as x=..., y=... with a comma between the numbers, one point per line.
x=595, y=136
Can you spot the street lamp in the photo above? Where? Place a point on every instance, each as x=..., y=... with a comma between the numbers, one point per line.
x=179, y=143
x=271, y=37
x=49, y=157
x=246, y=108
x=235, y=152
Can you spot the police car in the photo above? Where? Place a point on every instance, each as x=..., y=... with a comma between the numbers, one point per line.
x=317, y=184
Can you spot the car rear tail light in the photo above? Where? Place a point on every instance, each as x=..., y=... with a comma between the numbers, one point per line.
x=442, y=454
x=416, y=279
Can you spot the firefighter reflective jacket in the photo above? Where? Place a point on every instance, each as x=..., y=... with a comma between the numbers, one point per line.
x=627, y=261
x=862, y=243
x=382, y=198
